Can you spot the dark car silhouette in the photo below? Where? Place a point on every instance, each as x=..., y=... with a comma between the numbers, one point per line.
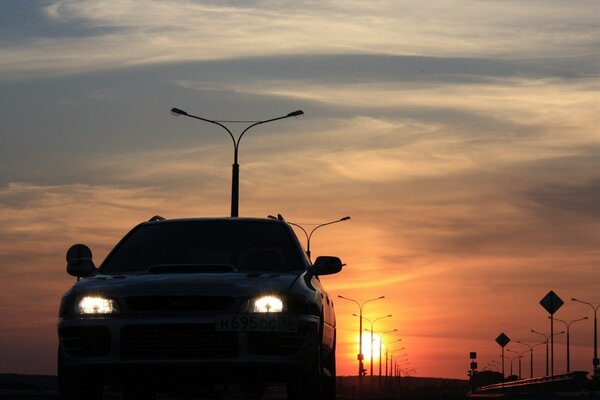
x=184, y=304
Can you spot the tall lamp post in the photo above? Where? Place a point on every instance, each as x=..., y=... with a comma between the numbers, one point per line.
x=360, y=356
x=568, y=326
x=372, y=324
x=235, y=175
x=309, y=235
x=531, y=347
x=595, y=361
x=546, y=340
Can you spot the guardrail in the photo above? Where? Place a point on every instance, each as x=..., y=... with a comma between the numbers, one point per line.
x=569, y=382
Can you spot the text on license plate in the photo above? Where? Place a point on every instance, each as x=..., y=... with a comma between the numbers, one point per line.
x=256, y=323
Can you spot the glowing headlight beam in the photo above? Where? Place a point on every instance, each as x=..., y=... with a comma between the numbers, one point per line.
x=267, y=304
x=97, y=305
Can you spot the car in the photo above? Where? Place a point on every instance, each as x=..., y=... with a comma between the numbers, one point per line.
x=187, y=304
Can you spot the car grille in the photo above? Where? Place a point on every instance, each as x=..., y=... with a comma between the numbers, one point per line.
x=85, y=341
x=176, y=341
x=276, y=343
x=179, y=303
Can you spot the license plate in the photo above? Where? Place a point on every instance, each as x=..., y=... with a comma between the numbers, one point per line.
x=256, y=323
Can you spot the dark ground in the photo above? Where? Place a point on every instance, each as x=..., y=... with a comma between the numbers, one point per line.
x=36, y=387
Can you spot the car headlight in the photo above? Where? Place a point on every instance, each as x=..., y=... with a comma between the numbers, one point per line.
x=266, y=304
x=97, y=305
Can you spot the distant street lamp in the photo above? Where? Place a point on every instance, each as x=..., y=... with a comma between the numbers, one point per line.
x=360, y=356
x=531, y=347
x=568, y=326
x=520, y=356
x=394, y=365
x=595, y=361
x=547, y=339
x=235, y=176
x=309, y=235
x=386, y=355
x=372, y=324
x=380, y=348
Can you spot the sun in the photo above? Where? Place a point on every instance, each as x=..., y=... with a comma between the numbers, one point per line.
x=366, y=347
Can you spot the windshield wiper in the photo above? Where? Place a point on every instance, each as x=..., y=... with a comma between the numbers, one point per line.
x=190, y=268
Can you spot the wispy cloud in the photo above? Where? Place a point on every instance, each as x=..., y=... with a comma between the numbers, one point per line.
x=121, y=33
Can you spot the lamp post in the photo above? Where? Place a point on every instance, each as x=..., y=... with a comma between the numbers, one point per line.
x=372, y=324
x=380, y=344
x=235, y=175
x=568, y=326
x=386, y=354
x=547, y=339
x=392, y=357
x=309, y=235
x=399, y=366
x=531, y=347
x=520, y=356
x=360, y=356
x=595, y=361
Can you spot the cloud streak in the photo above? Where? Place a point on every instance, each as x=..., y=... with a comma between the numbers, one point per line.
x=126, y=32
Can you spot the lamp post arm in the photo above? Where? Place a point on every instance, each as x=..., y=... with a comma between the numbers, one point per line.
x=235, y=146
x=346, y=298
x=257, y=123
x=308, y=251
x=367, y=301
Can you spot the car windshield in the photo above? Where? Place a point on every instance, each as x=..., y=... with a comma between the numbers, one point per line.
x=243, y=245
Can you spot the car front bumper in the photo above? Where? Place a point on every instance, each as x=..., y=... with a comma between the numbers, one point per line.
x=119, y=346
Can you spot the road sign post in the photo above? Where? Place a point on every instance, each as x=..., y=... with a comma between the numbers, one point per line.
x=551, y=303
x=502, y=340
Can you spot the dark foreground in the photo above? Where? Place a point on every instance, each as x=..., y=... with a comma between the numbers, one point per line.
x=26, y=387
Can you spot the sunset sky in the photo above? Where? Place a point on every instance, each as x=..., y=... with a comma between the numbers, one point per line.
x=461, y=136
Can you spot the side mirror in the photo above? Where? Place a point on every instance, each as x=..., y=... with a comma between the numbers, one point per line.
x=79, y=261
x=327, y=265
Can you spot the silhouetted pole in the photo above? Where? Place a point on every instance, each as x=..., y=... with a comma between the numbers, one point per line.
x=547, y=339
x=520, y=355
x=309, y=235
x=380, y=344
x=568, y=326
x=235, y=174
x=386, y=355
x=360, y=330
x=531, y=356
x=372, y=324
x=595, y=361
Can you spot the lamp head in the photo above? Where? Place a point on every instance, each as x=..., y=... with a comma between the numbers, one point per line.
x=296, y=114
x=177, y=112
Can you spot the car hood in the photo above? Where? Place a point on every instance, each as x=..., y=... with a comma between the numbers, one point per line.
x=235, y=284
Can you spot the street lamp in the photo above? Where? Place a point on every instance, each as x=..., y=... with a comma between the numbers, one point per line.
x=568, y=326
x=520, y=356
x=235, y=175
x=547, y=337
x=595, y=361
x=360, y=356
x=394, y=365
x=531, y=357
x=309, y=235
x=372, y=324
x=386, y=355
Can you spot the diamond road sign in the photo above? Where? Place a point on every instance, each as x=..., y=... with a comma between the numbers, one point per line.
x=502, y=340
x=551, y=302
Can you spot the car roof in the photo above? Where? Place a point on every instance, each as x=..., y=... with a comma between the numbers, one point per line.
x=157, y=219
